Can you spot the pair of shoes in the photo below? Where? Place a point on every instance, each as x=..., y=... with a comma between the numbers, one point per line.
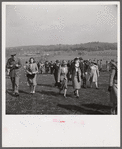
x=97, y=88
x=32, y=92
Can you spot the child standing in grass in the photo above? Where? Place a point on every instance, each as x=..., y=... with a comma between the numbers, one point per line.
x=32, y=71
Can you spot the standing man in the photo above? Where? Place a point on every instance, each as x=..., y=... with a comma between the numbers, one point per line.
x=14, y=64
x=46, y=66
x=82, y=67
x=113, y=87
x=56, y=69
x=51, y=67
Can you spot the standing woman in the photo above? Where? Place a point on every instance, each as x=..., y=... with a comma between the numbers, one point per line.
x=32, y=71
x=62, y=77
x=93, y=74
x=76, y=76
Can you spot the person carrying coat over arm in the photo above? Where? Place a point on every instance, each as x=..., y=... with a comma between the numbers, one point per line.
x=62, y=77
x=113, y=87
x=14, y=64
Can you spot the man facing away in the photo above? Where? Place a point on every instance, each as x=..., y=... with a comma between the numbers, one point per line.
x=113, y=87
x=14, y=64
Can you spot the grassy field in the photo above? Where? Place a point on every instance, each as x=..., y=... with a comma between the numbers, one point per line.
x=47, y=100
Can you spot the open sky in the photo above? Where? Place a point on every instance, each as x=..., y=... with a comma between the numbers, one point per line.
x=48, y=24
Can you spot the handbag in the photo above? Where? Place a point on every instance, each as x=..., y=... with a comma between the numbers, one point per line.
x=31, y=76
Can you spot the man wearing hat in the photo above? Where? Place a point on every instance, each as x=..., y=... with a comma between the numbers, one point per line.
x=113, y=87
x=14, y=64
x=55, y=69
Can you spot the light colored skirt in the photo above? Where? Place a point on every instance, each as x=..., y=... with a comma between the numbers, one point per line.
x=76, y=84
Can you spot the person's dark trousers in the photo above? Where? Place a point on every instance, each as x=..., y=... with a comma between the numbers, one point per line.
x=84, y=82
x=56, y=80
x=51, y=70
x=15, y=84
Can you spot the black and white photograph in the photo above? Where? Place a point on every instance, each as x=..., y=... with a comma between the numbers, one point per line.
x=61, y=60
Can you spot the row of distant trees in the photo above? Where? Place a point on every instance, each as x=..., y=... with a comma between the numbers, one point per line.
x=92, y=46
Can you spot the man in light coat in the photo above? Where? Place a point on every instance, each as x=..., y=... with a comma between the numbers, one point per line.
x=14, y=64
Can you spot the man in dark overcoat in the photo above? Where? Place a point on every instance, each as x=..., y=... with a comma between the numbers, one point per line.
x=55, y=70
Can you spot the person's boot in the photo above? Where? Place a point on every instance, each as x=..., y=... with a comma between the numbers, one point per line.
x=16, y=90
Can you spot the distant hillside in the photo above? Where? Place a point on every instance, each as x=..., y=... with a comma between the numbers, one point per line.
x=91, y=46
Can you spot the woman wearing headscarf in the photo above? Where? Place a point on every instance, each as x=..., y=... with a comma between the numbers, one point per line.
x=32, y=71
x=93, y=74
x=76, y=76
x=62, y=77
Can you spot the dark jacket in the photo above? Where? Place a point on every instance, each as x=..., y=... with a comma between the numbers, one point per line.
x=11, y=64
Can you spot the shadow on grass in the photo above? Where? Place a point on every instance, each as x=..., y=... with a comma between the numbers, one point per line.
x=82, y=110
x=9, y=91
x=21, y=91
x=97, y=106
x=47, y=85
x=52, y=93
x=49, y=93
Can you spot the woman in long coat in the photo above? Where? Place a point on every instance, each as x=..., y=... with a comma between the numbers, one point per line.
x=76, y=76
x=32, y=71
x=93, y=74
x=62, y=77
